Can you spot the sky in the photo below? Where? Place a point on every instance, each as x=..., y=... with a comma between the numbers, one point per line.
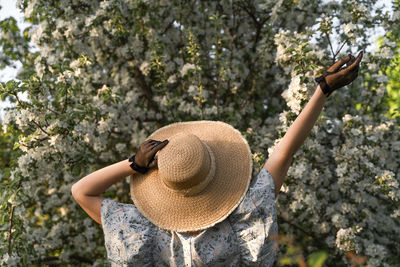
x=9, y=9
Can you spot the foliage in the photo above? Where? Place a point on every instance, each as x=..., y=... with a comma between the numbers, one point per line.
x=393, y=69
x=393, y=87
x=108, y=73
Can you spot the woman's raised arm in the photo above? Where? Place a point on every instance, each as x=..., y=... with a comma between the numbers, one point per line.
x=279, y=161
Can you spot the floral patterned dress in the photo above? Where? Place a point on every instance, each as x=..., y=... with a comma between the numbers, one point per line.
x=245, y=237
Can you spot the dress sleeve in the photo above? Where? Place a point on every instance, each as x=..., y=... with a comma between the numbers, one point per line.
x=254, y=222
x=128, y=235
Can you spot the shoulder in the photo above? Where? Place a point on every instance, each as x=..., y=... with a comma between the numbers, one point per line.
x=259, y=195
x=114, y=212
x=262, y=188
x=263, y=179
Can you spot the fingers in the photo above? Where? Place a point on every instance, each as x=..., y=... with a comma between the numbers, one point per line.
x=351, y=60
x=355, y=65
x=154, y=144
x=351, y=71
x=153, y=162
x=151, y=142
x=160, y=145
x=148, y=150
x=335, y=67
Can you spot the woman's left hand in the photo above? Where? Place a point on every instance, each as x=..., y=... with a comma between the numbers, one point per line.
x=145, y=157
x=337, y=77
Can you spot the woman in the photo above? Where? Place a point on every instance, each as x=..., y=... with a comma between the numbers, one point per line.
x=194, y=200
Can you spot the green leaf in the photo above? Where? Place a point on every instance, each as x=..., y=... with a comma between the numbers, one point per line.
x=3, y=218
x=289, y=50
x=285, y=261
x=307, y=49
x=297, y=68
x=317, y=259
x=16, y=145
x=76, y=170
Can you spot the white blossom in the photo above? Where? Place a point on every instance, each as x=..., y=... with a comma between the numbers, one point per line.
x=145, y=68
x=387, y=52
x=29, y=9
x=121, y=147
x=348, y=28
x=345, y=238
x=396, y=15
x=104, y=126
x=186, y=68
x=12, y=260
x=172, y=79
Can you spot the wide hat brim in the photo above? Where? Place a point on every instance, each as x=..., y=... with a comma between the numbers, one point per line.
x=172, y=211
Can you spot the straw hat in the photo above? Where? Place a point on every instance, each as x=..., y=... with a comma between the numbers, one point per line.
x=203, y=174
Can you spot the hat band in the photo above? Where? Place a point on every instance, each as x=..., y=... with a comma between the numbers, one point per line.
x=200, y=186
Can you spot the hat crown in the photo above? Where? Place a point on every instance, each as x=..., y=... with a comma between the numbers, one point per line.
x=185, y=164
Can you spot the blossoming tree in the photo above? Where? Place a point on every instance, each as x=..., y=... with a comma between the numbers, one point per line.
x=108, y=73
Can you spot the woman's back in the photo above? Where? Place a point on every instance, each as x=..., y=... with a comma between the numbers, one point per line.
x=245, y=237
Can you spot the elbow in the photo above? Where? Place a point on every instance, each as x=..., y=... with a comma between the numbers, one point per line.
x=74, y=191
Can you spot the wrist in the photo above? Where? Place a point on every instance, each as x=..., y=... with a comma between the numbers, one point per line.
x=319, y=94
x=136, y=167
x=128, y=167
x=323, y=85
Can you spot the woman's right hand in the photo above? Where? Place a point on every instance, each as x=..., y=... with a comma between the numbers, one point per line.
x=145, y=157
x=337, y=77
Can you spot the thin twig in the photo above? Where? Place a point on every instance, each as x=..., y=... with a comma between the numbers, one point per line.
x=54, y=111
x=330, y=44
x=65, y=102
x=19, y=102
x=250, y=14
x=38, y=125
x=9, y=230
x=145, y=87
x=166, y=28
x=11, y=223
x=23, y=105
x=337, y=52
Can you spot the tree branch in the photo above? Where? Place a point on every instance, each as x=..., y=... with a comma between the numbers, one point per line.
x=11, y=222
x=330, y=44
x=23, y=105
x=19, y=102
x=54, y=111
x=146, y=89
x=65, y=102
x=40, y=127
x=166, y=28
x=250, y=14
x=337, y=52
